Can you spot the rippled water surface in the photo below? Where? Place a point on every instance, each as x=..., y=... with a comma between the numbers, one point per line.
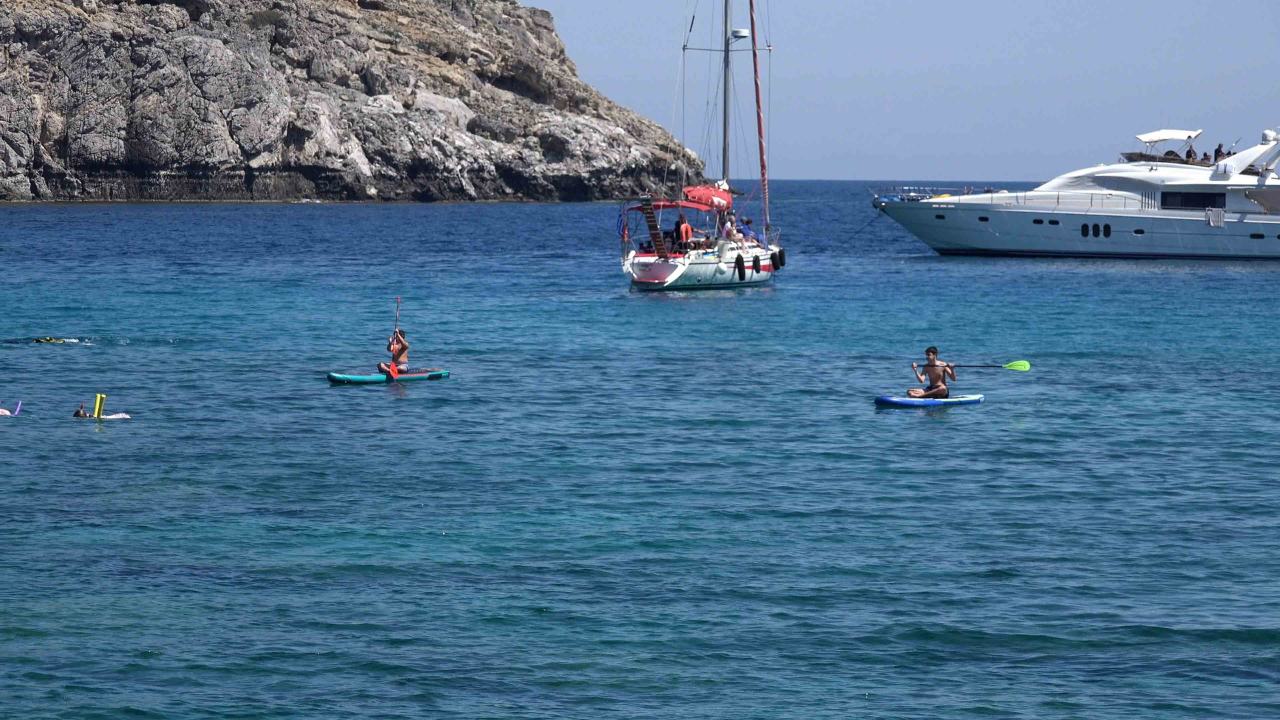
x=624, y=505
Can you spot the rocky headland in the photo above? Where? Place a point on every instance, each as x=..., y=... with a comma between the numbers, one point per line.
x=327, y=99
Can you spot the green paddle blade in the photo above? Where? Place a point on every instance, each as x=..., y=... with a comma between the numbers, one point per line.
x=1019, y=365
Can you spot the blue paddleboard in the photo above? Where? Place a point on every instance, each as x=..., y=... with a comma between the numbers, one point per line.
x=910, y=402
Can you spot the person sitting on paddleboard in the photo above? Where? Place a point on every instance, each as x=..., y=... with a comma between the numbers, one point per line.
x=398, y=346
x=80, y=412
x=936, y=373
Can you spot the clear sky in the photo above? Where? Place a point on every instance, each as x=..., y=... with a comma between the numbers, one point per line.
x=923, y=89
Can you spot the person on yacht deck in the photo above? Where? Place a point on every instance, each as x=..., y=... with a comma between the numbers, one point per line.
x=1219, y=153
x=1204, y=158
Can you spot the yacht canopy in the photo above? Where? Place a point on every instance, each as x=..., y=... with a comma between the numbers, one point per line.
x=1156, y=136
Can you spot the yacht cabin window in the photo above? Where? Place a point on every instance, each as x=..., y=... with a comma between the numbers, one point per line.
x=1192, y=200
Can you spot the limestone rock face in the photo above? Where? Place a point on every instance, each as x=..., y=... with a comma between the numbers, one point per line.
x=331, y=99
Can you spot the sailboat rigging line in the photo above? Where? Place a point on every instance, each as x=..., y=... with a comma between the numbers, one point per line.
x=768, y=46
x=768, y=23
x=679, y=111
x=684, y=138
x=709, y=119
x=684, y=92
x=711, y=92
x=764, y=162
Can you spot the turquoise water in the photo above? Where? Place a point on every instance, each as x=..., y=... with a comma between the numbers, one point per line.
x=639, y=506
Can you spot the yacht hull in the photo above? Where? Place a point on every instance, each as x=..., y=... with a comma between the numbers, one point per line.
x=999, y=230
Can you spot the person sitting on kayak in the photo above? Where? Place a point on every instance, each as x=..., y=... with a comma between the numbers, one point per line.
x=398, y=346
x=936, y=373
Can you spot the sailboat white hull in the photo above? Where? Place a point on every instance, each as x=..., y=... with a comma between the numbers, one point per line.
x=690, y=272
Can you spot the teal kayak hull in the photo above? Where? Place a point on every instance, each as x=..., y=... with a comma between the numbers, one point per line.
x=380, y=379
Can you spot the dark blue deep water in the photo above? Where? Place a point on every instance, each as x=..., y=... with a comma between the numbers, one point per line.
x=624, y=505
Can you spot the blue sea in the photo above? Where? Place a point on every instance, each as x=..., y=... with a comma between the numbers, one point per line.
x=619, y=504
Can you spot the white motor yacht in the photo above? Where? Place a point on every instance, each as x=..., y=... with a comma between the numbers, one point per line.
x=1148, y=205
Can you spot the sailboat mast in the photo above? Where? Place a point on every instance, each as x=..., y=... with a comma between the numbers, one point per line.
x=728, y=78
x=764, y=162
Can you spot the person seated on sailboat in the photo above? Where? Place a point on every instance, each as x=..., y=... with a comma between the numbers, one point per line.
x=684, y=233
x=729, y=232
x=747, y=231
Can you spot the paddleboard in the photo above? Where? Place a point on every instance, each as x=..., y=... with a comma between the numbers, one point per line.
x=910, y=402
x=380, y=379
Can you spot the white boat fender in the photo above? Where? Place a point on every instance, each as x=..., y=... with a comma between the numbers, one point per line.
x=755, y=264
x=741, y=266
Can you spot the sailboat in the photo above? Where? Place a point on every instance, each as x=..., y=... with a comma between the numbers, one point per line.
x=706, y=246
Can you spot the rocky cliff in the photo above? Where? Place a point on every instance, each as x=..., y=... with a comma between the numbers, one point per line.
x=333, y=99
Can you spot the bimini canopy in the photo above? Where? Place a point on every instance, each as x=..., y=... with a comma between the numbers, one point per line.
x=659, y=205
x=1158, y=136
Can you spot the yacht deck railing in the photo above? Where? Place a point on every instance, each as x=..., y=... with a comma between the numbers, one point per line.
x=1076, y=200
x=1071, y=199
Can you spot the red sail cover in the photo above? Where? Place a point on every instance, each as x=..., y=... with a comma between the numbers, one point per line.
x=709, y=195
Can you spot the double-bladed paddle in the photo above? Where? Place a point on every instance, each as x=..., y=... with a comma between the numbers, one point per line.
x=1019, y=365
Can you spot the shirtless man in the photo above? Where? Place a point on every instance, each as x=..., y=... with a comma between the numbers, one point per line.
x=399, y=349
x=936, y=373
